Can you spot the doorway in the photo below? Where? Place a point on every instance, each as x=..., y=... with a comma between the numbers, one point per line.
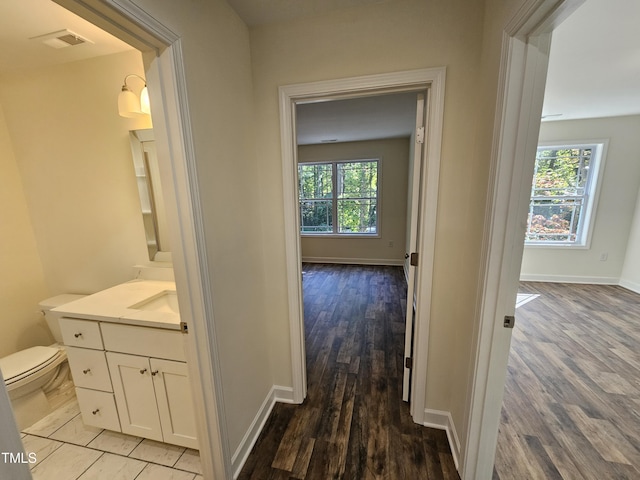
x=525, y=49
x=359, y=164
x=166, y=80
x=569, y=334
x=431, y=80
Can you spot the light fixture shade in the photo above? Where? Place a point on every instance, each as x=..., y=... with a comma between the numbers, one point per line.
x=145, y=106
x=128, y=104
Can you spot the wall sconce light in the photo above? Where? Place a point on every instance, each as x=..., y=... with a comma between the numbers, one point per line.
x=129, y=105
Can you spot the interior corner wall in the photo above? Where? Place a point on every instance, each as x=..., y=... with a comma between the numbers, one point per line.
x=630, y=277
x=74, y=158
x=388, y=247
x=615, y=211
x=22, y=283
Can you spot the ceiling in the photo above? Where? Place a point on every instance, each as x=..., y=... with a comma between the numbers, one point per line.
x=594, y=68
x=21, y=20
x=365, y=118
x=594, y=65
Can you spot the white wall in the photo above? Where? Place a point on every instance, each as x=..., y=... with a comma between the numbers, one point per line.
x=630, y=277
x=71, y=218
x=22, y=283
x=620, y=182
x=392, y=209
x=73, y=155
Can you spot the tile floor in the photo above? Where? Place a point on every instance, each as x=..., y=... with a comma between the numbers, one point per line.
x=66, y=449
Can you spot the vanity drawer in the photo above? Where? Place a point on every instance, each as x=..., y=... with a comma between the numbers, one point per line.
x=81, y=333
x=89, y=369
x=98, y=409
x=144, y=341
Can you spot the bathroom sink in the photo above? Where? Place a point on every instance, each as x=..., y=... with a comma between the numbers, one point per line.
x=165, y=302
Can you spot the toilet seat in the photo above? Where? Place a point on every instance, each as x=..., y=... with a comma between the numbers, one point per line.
x=23, y=364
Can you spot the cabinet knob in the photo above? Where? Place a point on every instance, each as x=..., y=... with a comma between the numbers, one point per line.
x=95, y=412
x=86, y=370
x=143, y=371
x=77, y=335
x=154, y=372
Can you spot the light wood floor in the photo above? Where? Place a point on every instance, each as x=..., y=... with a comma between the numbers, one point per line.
x=572, y=397
x=353, y=424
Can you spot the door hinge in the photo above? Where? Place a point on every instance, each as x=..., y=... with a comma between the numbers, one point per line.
x=414, y=259
x=509, y=321
x=184, y=327
x=420, y=135
x=408, y=362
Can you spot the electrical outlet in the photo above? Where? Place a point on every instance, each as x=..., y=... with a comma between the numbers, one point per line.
x=390, y=243
x=604, y=257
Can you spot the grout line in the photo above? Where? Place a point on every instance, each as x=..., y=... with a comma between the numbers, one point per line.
x=173, y=467
x=50, y=453
x=85, y=470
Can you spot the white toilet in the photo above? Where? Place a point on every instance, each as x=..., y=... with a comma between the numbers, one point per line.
x=35, y=375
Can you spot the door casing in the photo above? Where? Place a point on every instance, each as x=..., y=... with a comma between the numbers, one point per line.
x=432, y=80
x=523, y=68
x=165, y=75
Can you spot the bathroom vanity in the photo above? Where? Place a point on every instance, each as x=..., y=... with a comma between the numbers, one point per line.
x=126, y=351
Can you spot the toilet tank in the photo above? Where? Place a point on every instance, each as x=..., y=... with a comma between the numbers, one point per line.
x=53, y=317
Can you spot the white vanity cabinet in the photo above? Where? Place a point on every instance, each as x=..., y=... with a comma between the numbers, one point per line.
x=90, y=373
x=153, y=398
x=131, y=379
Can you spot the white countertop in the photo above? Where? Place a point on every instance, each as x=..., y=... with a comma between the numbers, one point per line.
x=114, y=305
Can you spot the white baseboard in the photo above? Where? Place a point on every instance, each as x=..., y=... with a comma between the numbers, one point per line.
x=443, y=421
x=276, y=394
x=536, y=277
x=355, y=261
x=629, y=285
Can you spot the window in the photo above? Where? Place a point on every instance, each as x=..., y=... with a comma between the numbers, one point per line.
x=339, y=197
x=562, y=194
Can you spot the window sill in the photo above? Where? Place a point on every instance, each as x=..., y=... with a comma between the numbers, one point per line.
x=340, y=235
x=559, y=246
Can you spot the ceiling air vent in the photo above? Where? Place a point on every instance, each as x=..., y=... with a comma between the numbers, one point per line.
x=61, y=39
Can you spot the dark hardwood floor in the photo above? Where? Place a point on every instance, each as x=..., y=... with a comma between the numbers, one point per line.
x=353, y=424
x=572, y=399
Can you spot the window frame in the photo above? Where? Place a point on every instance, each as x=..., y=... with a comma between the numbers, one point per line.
x=584, y=230
x=335, y=199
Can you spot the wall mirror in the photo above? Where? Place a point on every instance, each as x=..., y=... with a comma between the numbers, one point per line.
x=145, y=162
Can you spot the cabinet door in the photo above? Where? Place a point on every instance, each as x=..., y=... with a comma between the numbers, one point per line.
x=173, y=393
x=135, y=396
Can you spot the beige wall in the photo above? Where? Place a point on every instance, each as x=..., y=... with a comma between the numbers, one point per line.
x=22, y=283
x=392, y=210
x=73, y=154
x=71, y=220
x=619, y=185
x=387, y=37
x=217, y=66
x=496, y=15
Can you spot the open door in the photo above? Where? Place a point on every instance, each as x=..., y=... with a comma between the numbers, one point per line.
x=411, y=257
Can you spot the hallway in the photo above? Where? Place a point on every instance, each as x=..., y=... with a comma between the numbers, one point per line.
x=353, y=424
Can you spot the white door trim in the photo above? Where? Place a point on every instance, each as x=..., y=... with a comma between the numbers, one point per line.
x=432, y=80
x=167, y=86
x=525, y=50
